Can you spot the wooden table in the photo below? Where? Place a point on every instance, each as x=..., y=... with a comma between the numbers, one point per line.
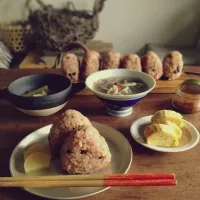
x=15, y=125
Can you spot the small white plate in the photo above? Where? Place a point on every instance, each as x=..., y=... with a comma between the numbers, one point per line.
x=189, y=139
x=121, y=160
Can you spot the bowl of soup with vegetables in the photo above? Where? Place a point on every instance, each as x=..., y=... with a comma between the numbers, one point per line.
x=40, y=94
x=120, y=89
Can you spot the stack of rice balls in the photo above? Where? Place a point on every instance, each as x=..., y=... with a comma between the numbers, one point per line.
x=78, y=144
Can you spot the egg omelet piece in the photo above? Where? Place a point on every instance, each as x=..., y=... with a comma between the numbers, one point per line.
x=161, y=135
x=177, y=129
x=168, y=115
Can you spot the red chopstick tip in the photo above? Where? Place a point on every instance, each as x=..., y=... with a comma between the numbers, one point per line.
x=138, y=176
x=153, y=182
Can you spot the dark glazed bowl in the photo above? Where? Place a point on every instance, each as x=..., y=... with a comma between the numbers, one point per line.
x=42, y=105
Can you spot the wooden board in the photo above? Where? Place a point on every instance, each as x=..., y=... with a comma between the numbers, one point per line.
x=15, y=126
x=45, y=59
x=166, y=86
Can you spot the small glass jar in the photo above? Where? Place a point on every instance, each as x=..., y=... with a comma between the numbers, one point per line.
x=187, y=97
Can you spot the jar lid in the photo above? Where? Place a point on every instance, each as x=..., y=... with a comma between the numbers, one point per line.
x=194, y=81
x=190, y=86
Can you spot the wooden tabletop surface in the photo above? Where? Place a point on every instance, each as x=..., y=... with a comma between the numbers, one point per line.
x=14, y=126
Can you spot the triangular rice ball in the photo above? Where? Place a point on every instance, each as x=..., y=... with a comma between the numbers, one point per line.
x=68, y=122
x=85, y=151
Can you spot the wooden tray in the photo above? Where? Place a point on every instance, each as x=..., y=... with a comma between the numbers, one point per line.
x=166, y=86
x=45, y=59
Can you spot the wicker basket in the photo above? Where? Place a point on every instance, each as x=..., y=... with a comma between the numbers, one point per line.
x=15, y=37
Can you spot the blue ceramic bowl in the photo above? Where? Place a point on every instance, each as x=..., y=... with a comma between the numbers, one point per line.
x=117, y=105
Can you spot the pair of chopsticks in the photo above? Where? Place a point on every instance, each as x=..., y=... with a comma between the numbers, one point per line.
x=96, y=180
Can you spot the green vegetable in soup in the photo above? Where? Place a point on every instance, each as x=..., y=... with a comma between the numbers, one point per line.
x=43, y=91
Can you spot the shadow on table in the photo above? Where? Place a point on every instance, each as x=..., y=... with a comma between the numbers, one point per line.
x=17, y=194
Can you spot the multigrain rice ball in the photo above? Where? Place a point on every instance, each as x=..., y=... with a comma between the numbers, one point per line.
x=152, y=65
x=132, y=61
x=91, y=63
x=70, y=66
x=85, y=151
x=69, y=122
x=112, y=60
x=173, y=65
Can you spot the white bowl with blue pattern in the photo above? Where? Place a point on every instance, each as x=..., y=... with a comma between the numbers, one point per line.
x=119, y=105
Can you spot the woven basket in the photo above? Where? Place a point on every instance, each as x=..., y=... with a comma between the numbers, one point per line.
x=15, y=36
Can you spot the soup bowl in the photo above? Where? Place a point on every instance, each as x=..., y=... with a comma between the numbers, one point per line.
x=61, y=87
x=120, y=105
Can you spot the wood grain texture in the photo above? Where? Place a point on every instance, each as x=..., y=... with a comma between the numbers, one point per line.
x=15, y=125
x=33, y=60
x=162, y=86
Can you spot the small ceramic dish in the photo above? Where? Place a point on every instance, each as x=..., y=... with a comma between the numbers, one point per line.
x=41, y=105
x=120, y=105
x=189, y=139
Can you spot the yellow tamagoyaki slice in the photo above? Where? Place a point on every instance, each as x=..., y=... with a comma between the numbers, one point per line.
x=36, y=148
x=161, y=135
x=36, y=161
x=177, y=130
x=169, y=115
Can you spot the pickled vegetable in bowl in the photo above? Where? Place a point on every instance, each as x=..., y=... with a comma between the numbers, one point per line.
x=40, y=94
x=42, y=91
